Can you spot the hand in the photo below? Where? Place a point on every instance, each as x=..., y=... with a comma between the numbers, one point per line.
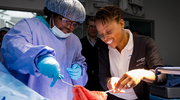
x=75, y=71
x=48, y=66
x=132, y=78
x=112, y=82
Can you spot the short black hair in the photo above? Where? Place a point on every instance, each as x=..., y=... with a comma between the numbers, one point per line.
x=109, y=13
x=90, y=19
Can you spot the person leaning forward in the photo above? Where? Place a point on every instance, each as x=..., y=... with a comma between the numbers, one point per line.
x=126, y=61
x=46, y=49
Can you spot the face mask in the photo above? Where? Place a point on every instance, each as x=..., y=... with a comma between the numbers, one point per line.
x=57, y=32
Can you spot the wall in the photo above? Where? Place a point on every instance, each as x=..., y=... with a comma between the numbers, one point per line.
x=166, y=14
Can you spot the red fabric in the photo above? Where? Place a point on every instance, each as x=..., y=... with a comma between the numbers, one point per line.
x=81, y=93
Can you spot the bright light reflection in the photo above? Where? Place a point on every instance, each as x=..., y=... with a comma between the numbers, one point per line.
x=19, y=14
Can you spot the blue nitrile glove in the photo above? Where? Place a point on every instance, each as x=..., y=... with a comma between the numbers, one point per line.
x=48, y=66
x=75, y=71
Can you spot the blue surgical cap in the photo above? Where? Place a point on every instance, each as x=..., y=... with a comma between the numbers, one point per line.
x=71, y=9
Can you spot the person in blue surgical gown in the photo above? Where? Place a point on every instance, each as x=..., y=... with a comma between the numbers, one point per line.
x=44, y=49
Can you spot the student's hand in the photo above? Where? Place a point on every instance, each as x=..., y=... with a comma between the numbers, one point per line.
x=75, y=71
x=132, y=78
x=48, y=66
x=112, y=82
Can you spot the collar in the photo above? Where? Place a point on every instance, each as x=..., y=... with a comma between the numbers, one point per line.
x=129, y=45
x=43, y=20
x=90, y=39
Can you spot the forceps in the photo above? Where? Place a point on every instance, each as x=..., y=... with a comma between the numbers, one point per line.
x=112, y=90
x=66, y=82
x=108, y=91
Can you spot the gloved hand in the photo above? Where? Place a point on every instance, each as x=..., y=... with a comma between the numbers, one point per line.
x=75, y=71
x=48, y=66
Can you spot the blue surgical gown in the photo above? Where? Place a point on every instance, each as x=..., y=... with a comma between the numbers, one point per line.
x=29, y=39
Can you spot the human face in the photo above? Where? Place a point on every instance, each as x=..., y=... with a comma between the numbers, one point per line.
x=91, y=29
x=64, y=24
x=111, y=32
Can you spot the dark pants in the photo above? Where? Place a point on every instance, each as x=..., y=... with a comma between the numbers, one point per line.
x=112, y=97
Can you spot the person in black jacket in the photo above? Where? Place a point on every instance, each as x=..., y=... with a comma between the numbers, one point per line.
x=90, y=44
x=126, y=61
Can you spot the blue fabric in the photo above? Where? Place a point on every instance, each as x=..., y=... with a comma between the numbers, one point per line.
x=75, y=71
x=31, y=38
x=13, y=89
x=48, y=66
x=173, y=81
x=3, y=98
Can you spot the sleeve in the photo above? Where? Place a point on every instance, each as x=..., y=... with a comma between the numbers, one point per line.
x=154, y=60
x=104, y=66
x=18, y=50
x=80, y=60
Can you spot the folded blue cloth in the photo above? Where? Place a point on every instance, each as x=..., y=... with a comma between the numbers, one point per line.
x=13, y=89
x=173, y=81
x=4, y=98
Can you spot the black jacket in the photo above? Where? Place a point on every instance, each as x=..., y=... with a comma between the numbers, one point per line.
x=91, y=55
x=144, y=48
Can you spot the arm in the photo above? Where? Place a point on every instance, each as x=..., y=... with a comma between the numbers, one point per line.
x=80, y=60
x=104, y=66
x=153, y=60
x=18, y=50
